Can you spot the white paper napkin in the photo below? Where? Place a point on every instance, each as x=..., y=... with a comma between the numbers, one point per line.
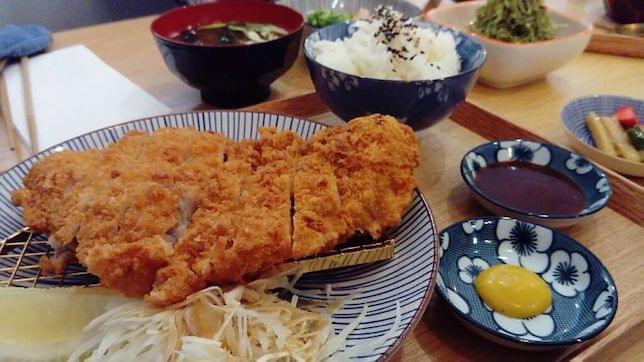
x=75, y=92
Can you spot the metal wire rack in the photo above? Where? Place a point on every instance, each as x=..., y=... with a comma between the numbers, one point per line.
x=19, y=256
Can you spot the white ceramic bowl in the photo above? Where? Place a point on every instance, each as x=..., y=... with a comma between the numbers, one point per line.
x=513, y=64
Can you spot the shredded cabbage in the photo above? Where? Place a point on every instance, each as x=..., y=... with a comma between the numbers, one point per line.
x=247, y=322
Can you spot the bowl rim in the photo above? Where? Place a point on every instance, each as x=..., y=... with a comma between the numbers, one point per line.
x=544, y=217
x=570, y=133
x=232, y=46
x=516, y=339
x=474, y=68
x=586, y=32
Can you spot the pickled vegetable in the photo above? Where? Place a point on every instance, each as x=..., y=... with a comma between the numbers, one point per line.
x=620, y=139
x=600, y=134
x=636, y=136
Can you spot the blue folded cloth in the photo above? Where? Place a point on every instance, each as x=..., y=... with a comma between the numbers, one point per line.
x=24, y=40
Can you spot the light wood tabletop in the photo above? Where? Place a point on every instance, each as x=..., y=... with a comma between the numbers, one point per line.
x=128, y=47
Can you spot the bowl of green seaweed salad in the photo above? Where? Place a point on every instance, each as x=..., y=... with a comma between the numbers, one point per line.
x=523, y=21
x=524, y=39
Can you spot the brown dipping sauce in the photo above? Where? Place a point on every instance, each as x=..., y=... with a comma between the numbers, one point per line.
x=531, y=188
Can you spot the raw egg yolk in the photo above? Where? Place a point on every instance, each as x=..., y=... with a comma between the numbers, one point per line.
x=513, y=291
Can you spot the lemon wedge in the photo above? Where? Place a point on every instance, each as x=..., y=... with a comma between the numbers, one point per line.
x=46, y=324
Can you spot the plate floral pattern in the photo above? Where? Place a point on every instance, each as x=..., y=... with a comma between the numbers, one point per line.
x=583, y=292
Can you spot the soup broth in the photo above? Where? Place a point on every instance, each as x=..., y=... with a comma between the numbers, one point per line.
x=231, y=33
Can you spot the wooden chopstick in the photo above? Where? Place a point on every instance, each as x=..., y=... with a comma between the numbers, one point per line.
x=6, y=113
x=29, y=104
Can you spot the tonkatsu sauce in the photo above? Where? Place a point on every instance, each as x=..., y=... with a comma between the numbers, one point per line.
x=531, y=188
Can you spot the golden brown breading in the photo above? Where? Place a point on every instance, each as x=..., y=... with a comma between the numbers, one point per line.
x=210, y=227
x=165, y=214
x=142, y=188
x=129, y=268
x=373, y=160
x=48, y=182
x=244, y=225
x=318, y=224
x=274, y=145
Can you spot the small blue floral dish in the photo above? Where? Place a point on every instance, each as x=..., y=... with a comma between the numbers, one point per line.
x=418, y=103
x=584, y=296
x=593, y=185
x=573, y=117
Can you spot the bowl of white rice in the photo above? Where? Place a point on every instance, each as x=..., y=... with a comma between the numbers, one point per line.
x=416, y=72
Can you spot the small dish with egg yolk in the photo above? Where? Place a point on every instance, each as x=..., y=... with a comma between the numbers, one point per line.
x=524, y=285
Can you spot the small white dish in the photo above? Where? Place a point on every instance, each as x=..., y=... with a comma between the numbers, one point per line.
x=512, y=64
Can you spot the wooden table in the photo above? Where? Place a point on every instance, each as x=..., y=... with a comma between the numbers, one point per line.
x=618, y=241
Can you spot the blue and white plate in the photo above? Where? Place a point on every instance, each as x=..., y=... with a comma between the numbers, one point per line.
x=573, y=117
x=404, y=283
x=590, y=179
x=584, y=298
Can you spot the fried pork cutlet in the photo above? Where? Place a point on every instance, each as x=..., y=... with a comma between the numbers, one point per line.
x=165, y=214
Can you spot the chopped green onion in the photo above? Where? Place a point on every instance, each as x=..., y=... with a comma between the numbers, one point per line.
x=325, y=17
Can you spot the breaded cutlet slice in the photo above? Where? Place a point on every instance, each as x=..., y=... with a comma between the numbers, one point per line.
x=354, y=181
x=318, y=224
x=210, y=226
x=129, y=268
x=243, y=225
x=65, y=217
x=373, y=159
x=122, y=237
x=149, y=203
x=390, y=151
x=48, y=182
x=251, y=238
x=142, y=190
x=113, y=161
x=263, y=237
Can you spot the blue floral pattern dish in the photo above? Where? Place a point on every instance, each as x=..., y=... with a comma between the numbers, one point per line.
x=573, y=117
x=587, y=176
x=574, y=113
x=416, y=103
x=584, y=297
